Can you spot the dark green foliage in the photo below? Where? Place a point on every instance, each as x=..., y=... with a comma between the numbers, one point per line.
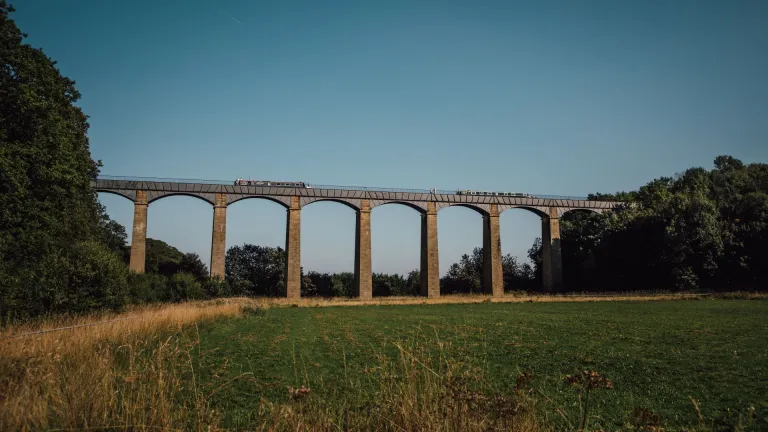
x=466, y=276
x=395, y=284
x=342, y=284
x=56, y=244
x=256, y=270
x=698, y=230
x=184, y=286
x=216, y=287
x=166, y=260
x=148, y=288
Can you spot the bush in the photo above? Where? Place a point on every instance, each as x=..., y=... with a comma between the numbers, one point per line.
x=184, y=286
x=148, y=288
x=216, y=287
x=85, y=277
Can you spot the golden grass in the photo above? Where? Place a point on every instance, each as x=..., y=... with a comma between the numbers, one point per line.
x=140, y=374
x=127, y=372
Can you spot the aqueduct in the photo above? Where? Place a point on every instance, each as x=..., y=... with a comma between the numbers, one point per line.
x=362, y=199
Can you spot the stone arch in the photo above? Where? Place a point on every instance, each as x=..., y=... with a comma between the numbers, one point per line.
x=284, y=201
x=538, y=211
x=482, y=209
x=353, y=203
x=153, y=196
x=419, y=206
x=128, y=194
x=563, y=210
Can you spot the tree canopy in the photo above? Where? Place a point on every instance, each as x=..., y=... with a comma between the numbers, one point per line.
x=55, y=246
x=700, y=229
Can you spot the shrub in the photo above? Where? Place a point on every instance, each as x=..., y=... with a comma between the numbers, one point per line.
x=148, y=288
x=184, y=286
x=81, y=278
x=217, y=287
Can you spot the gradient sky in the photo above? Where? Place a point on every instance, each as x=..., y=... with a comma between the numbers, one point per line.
x=550, y=97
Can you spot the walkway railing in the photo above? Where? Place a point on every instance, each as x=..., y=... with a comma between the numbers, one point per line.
x=318, y=186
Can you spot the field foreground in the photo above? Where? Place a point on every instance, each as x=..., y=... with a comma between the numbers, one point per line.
x=686, y=365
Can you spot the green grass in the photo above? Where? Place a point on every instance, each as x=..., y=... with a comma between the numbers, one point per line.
x=658, y=355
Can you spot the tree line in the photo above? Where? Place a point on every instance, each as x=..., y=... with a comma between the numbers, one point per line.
x=697, y=230
x=61, y=253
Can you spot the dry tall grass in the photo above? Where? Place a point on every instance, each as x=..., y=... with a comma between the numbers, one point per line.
x=139, y=374
x=135, y=371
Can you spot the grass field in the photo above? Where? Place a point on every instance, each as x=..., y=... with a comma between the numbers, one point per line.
x=661, y=356
x=687, y=364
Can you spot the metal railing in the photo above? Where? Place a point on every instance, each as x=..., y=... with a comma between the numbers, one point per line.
x=328, y=187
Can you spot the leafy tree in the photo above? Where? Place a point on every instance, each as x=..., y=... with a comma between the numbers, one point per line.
x=190, y=263
x=386, y=285
x=412, y=284
x=161, y=258
x=49, y=214
x=343, y=284
x=184, y=286
x=148, y=288
x=698, y=229
x=256, y=270
x=467, y=276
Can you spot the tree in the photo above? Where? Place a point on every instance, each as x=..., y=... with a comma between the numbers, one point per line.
x=256, y=270
x=698, y=229
x=49, y=214
x=467, y=276
x=190, y=263
x=161, y=258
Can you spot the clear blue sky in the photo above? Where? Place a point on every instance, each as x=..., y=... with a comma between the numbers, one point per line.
x=551, y=97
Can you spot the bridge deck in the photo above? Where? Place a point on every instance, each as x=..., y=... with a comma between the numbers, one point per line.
x=207, y=189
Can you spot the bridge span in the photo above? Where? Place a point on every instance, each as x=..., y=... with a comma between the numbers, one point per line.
x=219, y=194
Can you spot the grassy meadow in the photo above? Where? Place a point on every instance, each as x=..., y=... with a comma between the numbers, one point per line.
x=684, y=364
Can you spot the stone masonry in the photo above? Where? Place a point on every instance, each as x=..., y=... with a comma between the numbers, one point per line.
x=493, y=277
x=430, y=268
x=551, y=257
x=293, y=250
x=143, y=193
x=219, y=242
x=363, y=277
x=139, y=235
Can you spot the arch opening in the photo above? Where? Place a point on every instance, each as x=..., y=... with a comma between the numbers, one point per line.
x=114, y=193
x=328, y=248
x=478, y=210
x=582, y=211
x=396, y=250
x=256, y=234
x=120, y=210
x=403, y=203
x=520, y=230
x=460, y=243
x=533, y=210
x=258, y=197
x=182, y=223
x=334, y=200
x=174, y=194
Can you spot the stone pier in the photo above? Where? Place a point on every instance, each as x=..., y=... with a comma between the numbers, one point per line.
x=430, y=268
x=551, y=257
x=493, y=278
x=293, y=250
x=363, y=282
x=139, y=235
x=218, y=242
